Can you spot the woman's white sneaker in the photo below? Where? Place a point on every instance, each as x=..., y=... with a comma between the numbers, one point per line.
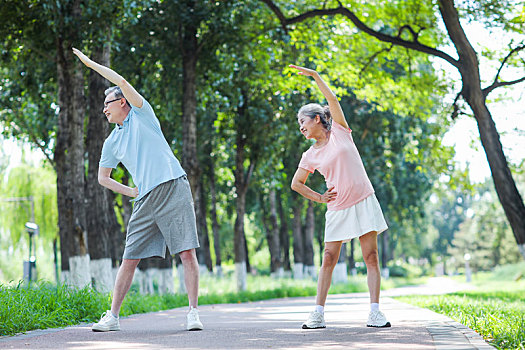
x=193, y=321
x=315, y=320
x=107, y=323
x=377, y=319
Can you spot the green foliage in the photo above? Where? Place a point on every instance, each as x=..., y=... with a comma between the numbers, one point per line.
x=485, y=234
x=25, y=181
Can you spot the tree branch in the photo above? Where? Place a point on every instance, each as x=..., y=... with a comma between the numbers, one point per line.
x=386, y=49
x=497, y=84
x=455, y=112
x=341, y=10
x=275, y=9
x=410, y=29
x=34, y=140
x=489, y=89
x=513, y=51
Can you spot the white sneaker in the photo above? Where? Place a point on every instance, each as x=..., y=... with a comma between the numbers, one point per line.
x=193, y=322
x=377, y=319
x=107, y=322
x=315, y=320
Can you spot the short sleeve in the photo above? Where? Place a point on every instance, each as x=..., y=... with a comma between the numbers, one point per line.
x=338, y=127
x=305, y=164
x=107, y=158
x=146, y=113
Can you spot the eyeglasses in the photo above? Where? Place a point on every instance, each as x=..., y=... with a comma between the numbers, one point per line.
x=108, y=102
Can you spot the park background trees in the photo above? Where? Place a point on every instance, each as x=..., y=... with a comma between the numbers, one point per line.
x=216, y=74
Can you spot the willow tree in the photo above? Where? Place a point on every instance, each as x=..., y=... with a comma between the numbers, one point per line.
x=412, y=25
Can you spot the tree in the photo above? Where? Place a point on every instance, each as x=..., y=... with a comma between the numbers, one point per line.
x=413, y=36
x=29, y=195
x=38, y=40
x=484, y=234
x=100, y=214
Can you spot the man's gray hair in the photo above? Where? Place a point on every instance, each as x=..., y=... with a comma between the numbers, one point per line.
x=117, y=91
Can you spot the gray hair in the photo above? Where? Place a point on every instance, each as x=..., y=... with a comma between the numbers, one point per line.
x=312, y=110
x=118, y=93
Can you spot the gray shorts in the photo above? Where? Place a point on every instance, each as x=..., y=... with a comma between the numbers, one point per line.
x=164, y=217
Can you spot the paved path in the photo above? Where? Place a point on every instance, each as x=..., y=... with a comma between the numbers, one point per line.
x=271, y=324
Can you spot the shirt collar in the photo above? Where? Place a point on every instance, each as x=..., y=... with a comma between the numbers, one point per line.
x=125, y=122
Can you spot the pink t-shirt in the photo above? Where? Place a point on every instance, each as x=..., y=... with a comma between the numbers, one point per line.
x=340, y=164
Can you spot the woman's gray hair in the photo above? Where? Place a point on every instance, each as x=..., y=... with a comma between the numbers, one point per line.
x=118, y=93
x=312, y=110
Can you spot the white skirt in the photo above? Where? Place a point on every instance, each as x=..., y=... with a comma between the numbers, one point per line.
x=363, y=217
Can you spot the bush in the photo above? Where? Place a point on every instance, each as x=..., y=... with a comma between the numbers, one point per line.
x=398, y=271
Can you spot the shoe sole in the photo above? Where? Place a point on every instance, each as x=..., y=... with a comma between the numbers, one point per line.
x=384, y=326
x=195, y=329
x=306, y=327
x=104, y=330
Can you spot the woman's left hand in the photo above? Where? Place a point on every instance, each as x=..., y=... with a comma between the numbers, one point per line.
x=304, y=71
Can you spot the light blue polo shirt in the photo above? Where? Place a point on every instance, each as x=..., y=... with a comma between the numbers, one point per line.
x=140, y=146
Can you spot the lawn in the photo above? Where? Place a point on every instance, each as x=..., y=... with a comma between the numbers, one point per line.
x=495, y=308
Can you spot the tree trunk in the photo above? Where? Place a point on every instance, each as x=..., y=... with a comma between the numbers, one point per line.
x=298, y=244
x=101, y=220
x=238, y=241
x=340, y=274
x=155, y=275
x=69, y=157
x=506, y=189
x=351, y=259
x=284, y=235
x=385, y=272
x=214, y=221
x=246, y=253
x=118, y=238
x=273, y=237
x=189, y=101
x=204, y=239
x=308, y=240
x=242, y=179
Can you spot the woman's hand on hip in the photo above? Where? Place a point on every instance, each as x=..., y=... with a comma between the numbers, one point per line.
x=328, y=196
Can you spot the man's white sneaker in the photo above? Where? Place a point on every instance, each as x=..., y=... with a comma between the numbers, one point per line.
x=315, y=320
x=193, y=322
x=107, y=322
x=377, y=319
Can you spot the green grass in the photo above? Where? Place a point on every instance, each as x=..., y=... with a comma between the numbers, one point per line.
x=46, y=306
x=495, y=309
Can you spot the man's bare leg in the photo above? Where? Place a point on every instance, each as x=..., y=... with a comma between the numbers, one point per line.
x=191, y=275
x=122, y=283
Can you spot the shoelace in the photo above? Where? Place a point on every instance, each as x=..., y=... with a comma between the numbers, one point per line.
x=316, y=317
x=106, y=316
x=376, y=316
x=192, y=315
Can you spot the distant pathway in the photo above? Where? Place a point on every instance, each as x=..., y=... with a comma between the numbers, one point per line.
x=272, y=324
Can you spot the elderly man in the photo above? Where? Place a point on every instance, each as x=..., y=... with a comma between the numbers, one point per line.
x=163, y=214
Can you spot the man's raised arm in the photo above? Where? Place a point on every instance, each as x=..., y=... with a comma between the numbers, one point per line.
x=133, y=97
